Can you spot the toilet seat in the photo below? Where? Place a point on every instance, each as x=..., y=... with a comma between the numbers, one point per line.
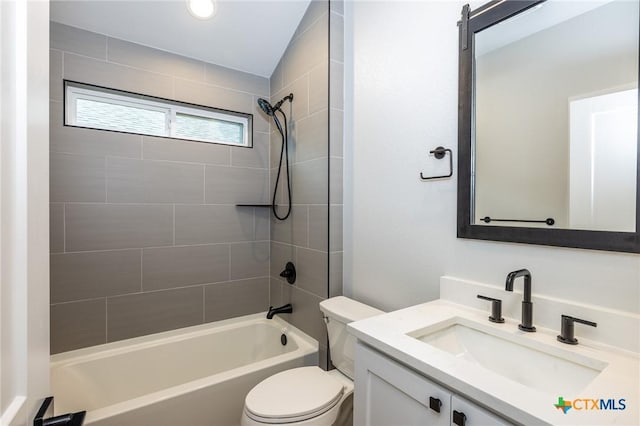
x=293, y=395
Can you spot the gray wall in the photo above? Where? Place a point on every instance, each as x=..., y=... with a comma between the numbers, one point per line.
x=303, y=238
x=144, y=233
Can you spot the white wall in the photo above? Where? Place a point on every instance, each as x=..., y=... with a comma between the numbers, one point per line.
x=400, y=233
x=24, y=213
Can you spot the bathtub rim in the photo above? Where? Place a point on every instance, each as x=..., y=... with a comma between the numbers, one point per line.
x=104, y=350
x=307, y=346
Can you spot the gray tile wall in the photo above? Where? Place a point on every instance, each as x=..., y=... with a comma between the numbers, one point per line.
x=145, y=236
x=304, y=237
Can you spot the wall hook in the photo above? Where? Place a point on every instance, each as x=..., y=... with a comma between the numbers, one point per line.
x=440, y=153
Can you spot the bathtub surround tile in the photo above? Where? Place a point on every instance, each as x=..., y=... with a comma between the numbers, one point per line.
x=336, y=46
x=306, y=313
x=145, y=313
x=275, y=292
x=56, y=227
x=55, y=75
x=112, y=226
x=231, y=185
x=171, y=267
x=308, y=50
x=299, y=108
x=315, y=10
x=335, y=274
x=145, y=181
x=72, y=39
x=78, y=276
x=309, y=182
x=155, y=148
x=336, y=70
x=108, y=74
x=319, y=87
x=249, y=260
x=293, y=230
x=213, y=224
x=77, y=325
x=256, y=157
x=135, y=55
x=312, y=267
x=318, y=230
x=212, y=96
x=335, y=223
x=337, y=6
x=336, y=130
x=236, y=298
x=76, y=140
x=76, y=178
x=312, y=137
x=262, y=223
x=276, y=81
x=336, y=180
x=280, y=255
x=236, y=80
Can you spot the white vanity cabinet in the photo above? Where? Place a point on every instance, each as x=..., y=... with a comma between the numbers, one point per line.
x=388, y=393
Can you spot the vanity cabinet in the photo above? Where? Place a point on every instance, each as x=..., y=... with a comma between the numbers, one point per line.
x=388, y=393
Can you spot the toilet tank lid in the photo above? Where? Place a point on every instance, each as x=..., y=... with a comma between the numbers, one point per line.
x=346, y=310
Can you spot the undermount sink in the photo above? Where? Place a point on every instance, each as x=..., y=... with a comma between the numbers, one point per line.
x=514, y=357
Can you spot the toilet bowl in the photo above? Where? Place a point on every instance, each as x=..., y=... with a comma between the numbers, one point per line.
x=310, y=396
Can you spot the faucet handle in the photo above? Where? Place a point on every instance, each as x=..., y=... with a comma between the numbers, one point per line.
x=496, y=308
x=567, y=329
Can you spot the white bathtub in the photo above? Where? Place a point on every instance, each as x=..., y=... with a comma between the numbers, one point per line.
x=193, y=376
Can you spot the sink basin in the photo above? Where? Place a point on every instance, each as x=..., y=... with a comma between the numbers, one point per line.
x=517, y=358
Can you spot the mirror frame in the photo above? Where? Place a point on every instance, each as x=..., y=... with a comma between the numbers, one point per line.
x=472, y=22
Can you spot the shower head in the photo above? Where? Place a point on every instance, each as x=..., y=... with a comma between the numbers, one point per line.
x=271, y=110
x=266, y=106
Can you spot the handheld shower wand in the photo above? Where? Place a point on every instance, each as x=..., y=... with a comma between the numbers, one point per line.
x=284, y=150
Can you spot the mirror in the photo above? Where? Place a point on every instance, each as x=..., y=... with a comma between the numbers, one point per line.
x=548, y=128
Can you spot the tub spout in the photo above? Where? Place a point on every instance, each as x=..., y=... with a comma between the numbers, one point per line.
x=286, y=309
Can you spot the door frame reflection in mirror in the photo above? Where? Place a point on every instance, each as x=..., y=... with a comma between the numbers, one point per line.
x=472, y=22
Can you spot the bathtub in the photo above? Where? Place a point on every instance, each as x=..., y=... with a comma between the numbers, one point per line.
x=193, y=376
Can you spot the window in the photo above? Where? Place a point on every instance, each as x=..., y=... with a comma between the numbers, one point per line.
x=108, y=109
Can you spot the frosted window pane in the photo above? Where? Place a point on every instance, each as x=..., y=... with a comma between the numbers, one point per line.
x=209, y=129
x=104, y=115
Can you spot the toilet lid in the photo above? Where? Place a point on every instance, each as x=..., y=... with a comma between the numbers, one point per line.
x=299, y=393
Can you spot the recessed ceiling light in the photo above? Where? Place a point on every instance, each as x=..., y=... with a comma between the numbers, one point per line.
x=201, y=9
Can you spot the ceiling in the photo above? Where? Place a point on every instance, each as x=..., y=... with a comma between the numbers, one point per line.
x=246, y=35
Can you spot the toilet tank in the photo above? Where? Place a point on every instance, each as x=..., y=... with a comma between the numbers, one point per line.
x=338, y=312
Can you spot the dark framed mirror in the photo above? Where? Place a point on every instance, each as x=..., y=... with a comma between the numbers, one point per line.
x=548, y=124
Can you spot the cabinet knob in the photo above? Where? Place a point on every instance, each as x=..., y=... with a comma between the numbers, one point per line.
x=435, y=404
x=459, y=418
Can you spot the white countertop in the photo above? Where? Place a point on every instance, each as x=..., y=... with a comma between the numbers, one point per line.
x=619, y=379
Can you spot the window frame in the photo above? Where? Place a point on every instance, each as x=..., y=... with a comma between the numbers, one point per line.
x=74, y=90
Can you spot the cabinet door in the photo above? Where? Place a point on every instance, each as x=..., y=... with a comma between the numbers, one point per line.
x=466, y=413
x=387, y=393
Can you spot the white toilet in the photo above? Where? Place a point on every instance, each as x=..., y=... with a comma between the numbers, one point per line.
x=311, y=396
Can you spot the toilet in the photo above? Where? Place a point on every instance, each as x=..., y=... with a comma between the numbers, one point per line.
x=310, y=396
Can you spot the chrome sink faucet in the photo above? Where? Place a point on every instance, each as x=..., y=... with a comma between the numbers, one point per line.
x=527, y=305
